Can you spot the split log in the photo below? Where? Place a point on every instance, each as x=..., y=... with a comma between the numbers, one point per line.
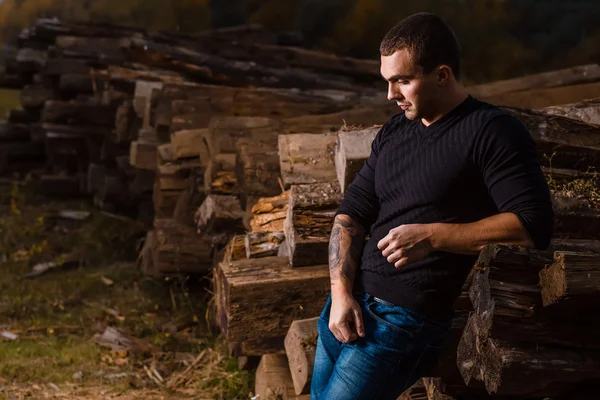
x=220, y=214
x=263, y=244
x=219, y=176
x=273, y=379
x=235, y=249
x=178, y=249
x=106, y=49
x=516, y=369
x=78, y=113
x=434, y=389
x=165, y=201
x=269, y=213
x=575, y=217
x=223, y=132
x=257, y=168
x=300, y=347
x=174, y=175
x=190, y=143
x=309, y=221
x=563, y=77
x=307, y=158
x=143, y=155
x=587, y=111
x=34, y=96
x=508, y=303
x=191, y=198
x=573, y=279
x=352, y=150
x=263, y=296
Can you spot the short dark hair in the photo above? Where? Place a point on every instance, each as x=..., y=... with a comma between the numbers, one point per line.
x=428, y=39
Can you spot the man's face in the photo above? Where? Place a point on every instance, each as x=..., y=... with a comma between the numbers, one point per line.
x=414, y=92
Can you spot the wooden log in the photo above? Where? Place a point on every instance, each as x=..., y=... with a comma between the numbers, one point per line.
x=165, y=201
x=223, y=132
x=263, y=296
x=235, y=249
x=587, y=111
x=300, y=347
x=191, y=198
x=219, y=176
x=174, y=175
x=257, y=168
x=30, y=61
x=545, y=97
x=109, y=49
x=178, y=249
x=516, y=369
x=126, y=122
x=64, y=66
x=34, y=96
x=563, y=77
x=273, y=379
x=575, y=217
x=11, y=133
x=309, y=221
x=307, y=158
x=352, y=150
x=263, y=244
x=269, y=213
x=78, y=113
x=573, y=278
x=435, y=389
x=78, y=84
x=415, y=392
x=220, y=214
x=143, y=155
x=508, y=302
x=190, y=143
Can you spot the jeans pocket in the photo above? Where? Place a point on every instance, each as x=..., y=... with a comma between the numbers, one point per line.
x=395, y=318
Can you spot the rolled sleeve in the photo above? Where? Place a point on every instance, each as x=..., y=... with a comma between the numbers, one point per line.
x=506, y=155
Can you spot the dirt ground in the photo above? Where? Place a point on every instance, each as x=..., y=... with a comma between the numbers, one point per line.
x=64, y=281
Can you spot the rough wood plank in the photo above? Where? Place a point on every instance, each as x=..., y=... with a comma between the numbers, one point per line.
x=573, y=278
x=220, y=213
x=273, y=380
x=269, y=213
x=190, y=143
x=300, y=347
x=307, y=158
x=263, y=296
x=309, y=221
x=586, y=111
x=352, y=150
x=263, y=244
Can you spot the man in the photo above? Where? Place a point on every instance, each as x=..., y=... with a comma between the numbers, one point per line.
x=446, y=176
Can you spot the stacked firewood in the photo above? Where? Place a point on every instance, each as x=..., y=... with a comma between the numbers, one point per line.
x=237, y=151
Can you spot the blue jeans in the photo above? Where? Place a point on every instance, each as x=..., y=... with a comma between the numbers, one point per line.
x=400, y=346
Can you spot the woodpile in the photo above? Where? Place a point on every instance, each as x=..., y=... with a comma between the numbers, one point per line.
x=236, y=151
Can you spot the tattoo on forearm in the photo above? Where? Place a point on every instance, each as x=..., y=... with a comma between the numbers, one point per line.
x=345, y=248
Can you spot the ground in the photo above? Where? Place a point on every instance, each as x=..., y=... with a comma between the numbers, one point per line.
x=48, y=322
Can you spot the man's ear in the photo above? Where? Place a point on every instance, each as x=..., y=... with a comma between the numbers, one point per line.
x=444, y=74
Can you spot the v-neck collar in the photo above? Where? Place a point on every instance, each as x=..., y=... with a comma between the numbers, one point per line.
x=446, y=119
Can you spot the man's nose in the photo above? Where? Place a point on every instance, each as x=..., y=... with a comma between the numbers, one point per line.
x=393, y=93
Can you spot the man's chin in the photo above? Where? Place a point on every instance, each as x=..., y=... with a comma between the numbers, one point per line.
x=410, y=114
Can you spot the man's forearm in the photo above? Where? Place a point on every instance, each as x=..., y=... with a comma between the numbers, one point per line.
x=345, y=249
x=470, y=238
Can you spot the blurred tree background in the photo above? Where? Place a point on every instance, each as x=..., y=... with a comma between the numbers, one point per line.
x=499, y=38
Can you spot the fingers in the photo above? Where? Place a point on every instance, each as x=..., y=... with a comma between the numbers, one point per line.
x=342, y=332
x=358, y=322
x=384, y=243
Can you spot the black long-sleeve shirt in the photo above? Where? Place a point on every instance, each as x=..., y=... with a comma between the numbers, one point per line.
x=472, y=163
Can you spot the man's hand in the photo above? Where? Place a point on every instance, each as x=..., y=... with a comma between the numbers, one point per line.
x=407, y=243
x=345, y=318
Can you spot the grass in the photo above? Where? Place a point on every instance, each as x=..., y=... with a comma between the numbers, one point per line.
x=56, y=315
x=9, y=99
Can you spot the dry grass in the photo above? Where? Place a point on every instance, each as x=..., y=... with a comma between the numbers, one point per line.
x=56, y=314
